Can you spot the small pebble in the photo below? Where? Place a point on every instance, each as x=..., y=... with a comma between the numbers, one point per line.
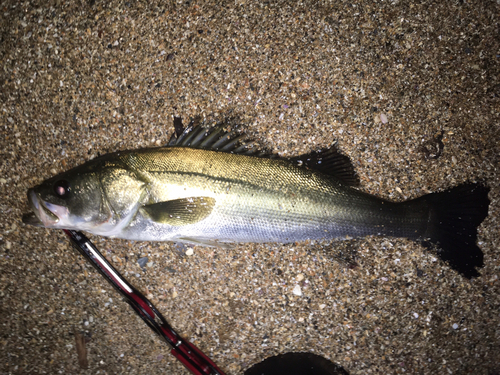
x=142, y=261
x=297, y=290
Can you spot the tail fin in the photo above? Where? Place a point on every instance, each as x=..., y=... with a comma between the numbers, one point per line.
x=454, y=217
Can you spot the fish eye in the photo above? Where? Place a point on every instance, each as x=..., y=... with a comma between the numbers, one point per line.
x=61, y=188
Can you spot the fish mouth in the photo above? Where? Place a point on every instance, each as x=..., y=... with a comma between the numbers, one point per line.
x=42, y=215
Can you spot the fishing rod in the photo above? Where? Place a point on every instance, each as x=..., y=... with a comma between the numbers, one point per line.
x=190, y=356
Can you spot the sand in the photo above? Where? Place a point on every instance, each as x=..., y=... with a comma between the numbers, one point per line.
x=384, y=80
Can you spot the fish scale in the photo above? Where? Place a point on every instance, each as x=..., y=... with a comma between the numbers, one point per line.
x=260, y=200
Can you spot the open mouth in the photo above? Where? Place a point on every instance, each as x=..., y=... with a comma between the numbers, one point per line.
x=43, y=212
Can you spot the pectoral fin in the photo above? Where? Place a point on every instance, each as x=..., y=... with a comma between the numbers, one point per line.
x=179, y=211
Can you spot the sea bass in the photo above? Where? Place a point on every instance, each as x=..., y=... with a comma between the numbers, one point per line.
x=207, y=187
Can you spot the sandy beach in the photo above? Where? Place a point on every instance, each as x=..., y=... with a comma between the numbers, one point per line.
x=409, y=91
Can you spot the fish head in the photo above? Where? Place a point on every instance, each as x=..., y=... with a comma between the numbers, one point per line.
x=100, y=196
x=70, y=200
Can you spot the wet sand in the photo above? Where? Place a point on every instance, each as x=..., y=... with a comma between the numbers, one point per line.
x=384, y=81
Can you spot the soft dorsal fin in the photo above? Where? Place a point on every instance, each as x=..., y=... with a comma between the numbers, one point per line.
x=329, y=161
x=179, y=211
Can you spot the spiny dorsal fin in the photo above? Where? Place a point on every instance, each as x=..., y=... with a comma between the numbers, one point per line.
x=213, y=138
x=329, y=161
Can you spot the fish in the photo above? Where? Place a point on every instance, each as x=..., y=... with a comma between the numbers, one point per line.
x=210, y=186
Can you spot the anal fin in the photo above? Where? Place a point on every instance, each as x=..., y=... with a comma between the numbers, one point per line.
x=210, y=243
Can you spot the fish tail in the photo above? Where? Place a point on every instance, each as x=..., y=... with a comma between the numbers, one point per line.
x=454, y=216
